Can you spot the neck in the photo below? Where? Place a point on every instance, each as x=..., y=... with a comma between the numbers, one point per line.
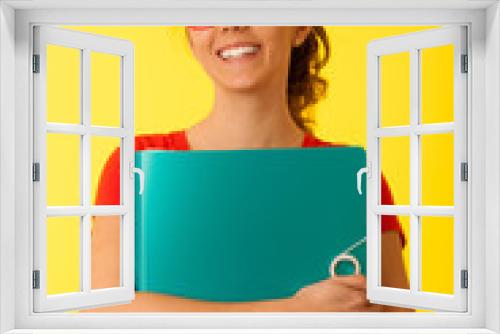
x=247, y=119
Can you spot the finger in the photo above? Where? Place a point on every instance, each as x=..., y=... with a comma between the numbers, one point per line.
x=375, y=308
x=357, y=282
x=354, y=278
x=359, y=299
x=358, y=303
x=372, y=308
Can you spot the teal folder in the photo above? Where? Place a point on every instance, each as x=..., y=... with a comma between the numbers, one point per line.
x=246, y=225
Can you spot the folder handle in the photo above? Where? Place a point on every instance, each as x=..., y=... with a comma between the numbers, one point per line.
x=344, y=257
x=359, y=175
x=140, y=173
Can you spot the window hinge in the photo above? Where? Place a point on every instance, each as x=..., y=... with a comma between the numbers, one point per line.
x=36, y=279
x=464, y=171
x=36, y=63
x=36, y=172
x=465, y=279
x=465, y=64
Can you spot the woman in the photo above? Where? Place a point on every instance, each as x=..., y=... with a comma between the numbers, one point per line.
x=264, y=77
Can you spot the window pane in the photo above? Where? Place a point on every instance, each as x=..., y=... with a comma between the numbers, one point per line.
x=106, y=251
x=437, y=169
x=63, y=254
x=395, y=167
x=105, y=89
x=437, y=254
x=105, y=169
x=437, y=84
x=63, y=84
x=394, y=257
x=395, y=89
x=63, y=169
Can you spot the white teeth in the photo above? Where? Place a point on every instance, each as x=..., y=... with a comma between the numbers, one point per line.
x=238, y=52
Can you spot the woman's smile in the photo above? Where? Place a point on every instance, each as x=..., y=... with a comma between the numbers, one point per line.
x=236, y=52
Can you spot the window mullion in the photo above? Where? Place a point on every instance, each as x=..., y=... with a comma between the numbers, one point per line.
x=85, y=253
x=406, y=210
x=94, y=210
x=86, y=172
x=414, y=172
x=436, y=128
x=79, y=129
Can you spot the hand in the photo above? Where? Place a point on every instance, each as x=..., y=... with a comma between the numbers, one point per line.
x=335, y=294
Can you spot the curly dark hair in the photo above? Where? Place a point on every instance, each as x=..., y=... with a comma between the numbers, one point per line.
x=305, y=86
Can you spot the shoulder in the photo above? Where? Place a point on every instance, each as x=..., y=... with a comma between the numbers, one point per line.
x=311, y=140
x=175, y=140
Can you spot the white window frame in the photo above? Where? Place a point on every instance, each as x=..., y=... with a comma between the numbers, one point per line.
x=85, y=44
x=483, y=18
x=413, y=43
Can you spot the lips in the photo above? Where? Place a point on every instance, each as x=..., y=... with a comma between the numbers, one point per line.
x=237, y=45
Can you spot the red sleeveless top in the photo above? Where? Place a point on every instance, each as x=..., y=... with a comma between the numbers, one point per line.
x=108, y=191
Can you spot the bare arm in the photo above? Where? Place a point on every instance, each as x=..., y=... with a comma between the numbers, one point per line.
x=106, y=273
x=154, y=302
x=105, y=248
x=393, y=272
x=105, y=266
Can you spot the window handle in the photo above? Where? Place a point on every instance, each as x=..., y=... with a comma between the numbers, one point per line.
x=138, y=171
x=359, y=175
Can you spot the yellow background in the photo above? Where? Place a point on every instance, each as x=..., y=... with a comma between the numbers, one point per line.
x=173, y=92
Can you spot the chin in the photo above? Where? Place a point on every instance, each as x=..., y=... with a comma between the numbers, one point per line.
x=242, y=87
x=243, y=84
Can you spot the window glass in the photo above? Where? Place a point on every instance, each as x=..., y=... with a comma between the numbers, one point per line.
x=63, y=254
x=395, y=89
x=63, y=175
x=437, y=254
x=395, y=168
x=437, y=169
x=106, y=247
x=387, y=252
x=101, y=150
x=63, y=87
x=437, y=84
x=105, y=89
